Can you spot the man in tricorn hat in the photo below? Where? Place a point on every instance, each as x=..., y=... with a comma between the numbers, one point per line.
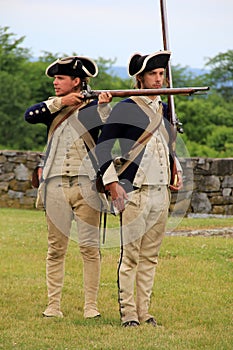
x=141, y=191
x=66, y=184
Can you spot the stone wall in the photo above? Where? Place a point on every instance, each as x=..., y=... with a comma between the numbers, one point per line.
x=208, y=187
x=208, y=184
x=15, y=179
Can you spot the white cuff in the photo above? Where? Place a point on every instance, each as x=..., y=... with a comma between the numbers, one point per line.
x=104, y=110
x=54, y=104
x=110, y=175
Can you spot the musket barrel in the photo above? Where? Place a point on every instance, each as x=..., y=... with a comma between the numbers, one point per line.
x=166, y=46
x=93, y=94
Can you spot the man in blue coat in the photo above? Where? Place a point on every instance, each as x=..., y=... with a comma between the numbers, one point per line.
x=141, y=191
x=66, y=187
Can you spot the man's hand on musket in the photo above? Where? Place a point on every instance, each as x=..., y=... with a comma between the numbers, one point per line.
x=118, y=195
x=178, y=183
x=72, y=99
x=104, y=97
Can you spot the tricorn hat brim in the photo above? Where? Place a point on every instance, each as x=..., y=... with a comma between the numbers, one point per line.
x=138, y=63
x=77, y=66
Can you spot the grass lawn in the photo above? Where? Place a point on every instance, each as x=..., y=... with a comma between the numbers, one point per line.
x=192, y=294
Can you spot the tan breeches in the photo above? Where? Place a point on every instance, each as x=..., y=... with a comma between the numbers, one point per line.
x=65, y=202
x=144, y=222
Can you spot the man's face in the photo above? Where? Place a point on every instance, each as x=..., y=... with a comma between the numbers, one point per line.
x=153, y=79
x=64, y=84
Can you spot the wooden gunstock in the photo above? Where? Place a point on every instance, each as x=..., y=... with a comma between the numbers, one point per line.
x=93, y=94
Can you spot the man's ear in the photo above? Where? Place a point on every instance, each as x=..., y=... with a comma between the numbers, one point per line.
x=77, y=81
x=139, y=81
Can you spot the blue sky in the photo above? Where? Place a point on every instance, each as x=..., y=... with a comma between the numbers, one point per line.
x=198, y=29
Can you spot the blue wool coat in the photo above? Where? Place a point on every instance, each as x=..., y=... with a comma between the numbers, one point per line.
x=126, y=123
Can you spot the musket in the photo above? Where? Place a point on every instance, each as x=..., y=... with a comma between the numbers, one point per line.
x=176, y=125
x=171, y=105
x=93, y=94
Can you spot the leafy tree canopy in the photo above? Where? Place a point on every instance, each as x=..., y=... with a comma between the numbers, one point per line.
x=207, y=119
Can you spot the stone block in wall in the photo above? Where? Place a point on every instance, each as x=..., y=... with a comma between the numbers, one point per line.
x=215, y=193
x=20, y=186
x=8, y=167
x=181, y=207
x=7, y=202
x=227, y=181
x=27, y=202
x=3, y=199
x=20, y=157
x=222, y=209
x=220, y=200
x=7, y=177
x=221, y=166
x=4, y=186
x=7, y=153
x=15, y=194
x=187, y=163
x=31, y=165
x=197, y=179
x=188, y=178
x=3, y=159
x=218, y=210
x=34, y=156
x=202, y=166
x=13, y=203
x=180, y=196
x=200, y=203
x=32, y=192
x=10, y=200
x=21, y=172
x=188, y=186
x=226, y=192
x=209, y=184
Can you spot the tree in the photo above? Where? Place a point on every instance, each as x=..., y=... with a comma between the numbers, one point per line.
x=221, y=74
x=14, y=90
x=208, y=123
x=10, y=50
x=207, y=120
x=221, y=139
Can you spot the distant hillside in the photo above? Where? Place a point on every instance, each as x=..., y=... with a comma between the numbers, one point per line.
x=122, y=73
x=198, y=71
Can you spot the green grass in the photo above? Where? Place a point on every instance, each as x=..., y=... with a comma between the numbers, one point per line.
x=192, y=295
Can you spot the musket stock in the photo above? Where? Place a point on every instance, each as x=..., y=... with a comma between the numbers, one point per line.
x=93, y=94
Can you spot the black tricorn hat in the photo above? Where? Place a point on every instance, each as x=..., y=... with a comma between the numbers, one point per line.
x=76, y=66
x=138, y=63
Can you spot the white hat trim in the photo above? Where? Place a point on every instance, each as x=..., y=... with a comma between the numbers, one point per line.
x=147, y=59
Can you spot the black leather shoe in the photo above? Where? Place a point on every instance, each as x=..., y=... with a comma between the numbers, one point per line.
x=152, y=322
x=130, y=324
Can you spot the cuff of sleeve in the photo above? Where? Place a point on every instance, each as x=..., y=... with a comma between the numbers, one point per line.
x=104, y=110
x=110, y=175
x=54, y=104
